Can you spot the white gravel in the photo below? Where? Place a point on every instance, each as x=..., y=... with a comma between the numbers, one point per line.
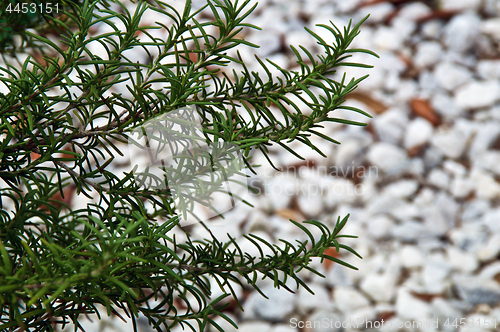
x=423, y=195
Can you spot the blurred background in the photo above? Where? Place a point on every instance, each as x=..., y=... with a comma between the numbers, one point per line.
x=420, y=181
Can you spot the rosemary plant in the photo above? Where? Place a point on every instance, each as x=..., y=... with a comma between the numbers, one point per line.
x=63, y=124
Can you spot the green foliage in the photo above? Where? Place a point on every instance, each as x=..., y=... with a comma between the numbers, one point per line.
x=58, y=264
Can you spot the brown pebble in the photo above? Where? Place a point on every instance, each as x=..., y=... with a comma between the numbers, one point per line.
x=423, y=108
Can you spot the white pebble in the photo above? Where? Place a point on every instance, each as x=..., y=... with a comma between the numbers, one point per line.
x=488, y=69
x=484, y=137
x=411, y=256
x=307, y=301
x=460, y=4
x=485, y=184
x=444, y=309
x=432, y=29
x=282, y=328
x=427, y=82
x=490, y=250
x=406, y=91
x=380, y=227
x=418, y=132
x=345, y=154
x=434, y=274
x=390, y=125
x=476, y=290
x=404, y=27
x=488, y=160
x=280, y=304
x=338, y=191
x=310, y=204
x=411, y=230
x=428, y=54
x=478, y=94
x=460, y=33
x=446, y=106
x=491, y=27
x=401, y=188
x=254, y=326
x=414, y=11
x=474, y=209
x=362, y=315
x=387, y=39
x=438, y=178
x=462, y=261
x=490, y=219
x=347, y=299
x=469, y=237
x=387, y=157
x=378, y=13
x=492, y=7
x=450, y=75
x=409, y=307
x=461, y=186
x=450, y=142
x=404, y=211
x=490, y=271
x=322, y=315
x=454, y=168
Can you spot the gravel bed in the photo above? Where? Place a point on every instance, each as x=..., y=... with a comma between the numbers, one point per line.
x=421, y=181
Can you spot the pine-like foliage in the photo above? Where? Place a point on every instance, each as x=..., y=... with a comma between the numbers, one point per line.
x=62, y=126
